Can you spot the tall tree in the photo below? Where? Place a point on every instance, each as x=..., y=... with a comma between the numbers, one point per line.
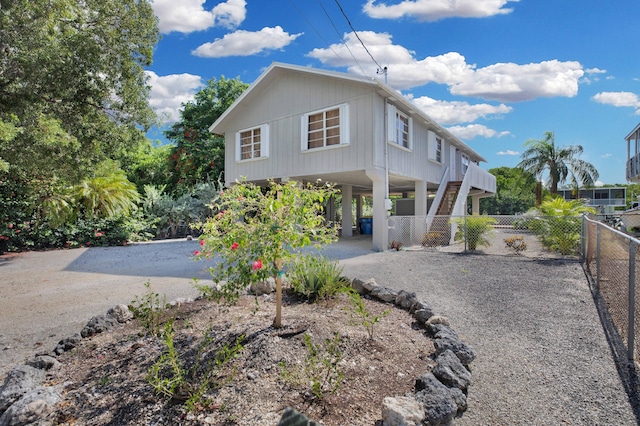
x=515, y=192
x=199, y=154
x=561, y=163
x=72, y=85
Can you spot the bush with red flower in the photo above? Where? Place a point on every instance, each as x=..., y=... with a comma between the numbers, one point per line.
x=258, y=230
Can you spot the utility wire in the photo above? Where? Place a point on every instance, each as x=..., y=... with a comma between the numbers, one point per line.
x=341, y=38
x=314, y=29
x=356, y=33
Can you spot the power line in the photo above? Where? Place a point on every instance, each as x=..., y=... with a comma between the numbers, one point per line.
x=314, y=28
x=341, y=38
x=356, y=33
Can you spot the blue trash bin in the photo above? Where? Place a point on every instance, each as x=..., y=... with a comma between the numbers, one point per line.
x=366, y=225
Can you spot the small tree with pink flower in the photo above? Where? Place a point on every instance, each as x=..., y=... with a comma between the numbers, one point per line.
x=259, y=230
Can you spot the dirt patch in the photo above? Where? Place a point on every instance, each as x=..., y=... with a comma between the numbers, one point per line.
x=108, y=384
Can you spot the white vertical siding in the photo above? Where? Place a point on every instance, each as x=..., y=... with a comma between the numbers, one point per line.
x=282, y=105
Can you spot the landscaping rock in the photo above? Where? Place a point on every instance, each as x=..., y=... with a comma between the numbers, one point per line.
x=263, y=287
x=44, y=362
x=444, y=330
x=437, y=400
x=423, y=315
x=358, y=285
x=121, y=313
x=420, y=304
x=19, y=381
x=67, y=344
x=444, y=342
x=438, y=319
x=98, y=324
x=34, y=405
x=292, y=417
x=402, y=411
x=450, y=371
x=385, y=294
x=406, y=300
x=460, y=399
x=369, y=285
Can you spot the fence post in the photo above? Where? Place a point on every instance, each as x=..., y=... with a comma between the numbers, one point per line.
x=632, y=301
x=598, y=256
x=584, y=238
x=466, y=231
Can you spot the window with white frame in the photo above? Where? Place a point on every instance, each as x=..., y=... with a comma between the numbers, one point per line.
x=465, y=163
x=400, y=127
x=252, y=143
x=326, y=128
x=438, y=156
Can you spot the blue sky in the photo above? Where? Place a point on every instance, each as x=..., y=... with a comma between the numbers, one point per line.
x=494, y=72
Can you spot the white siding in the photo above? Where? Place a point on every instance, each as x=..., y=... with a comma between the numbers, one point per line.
x=281, y=105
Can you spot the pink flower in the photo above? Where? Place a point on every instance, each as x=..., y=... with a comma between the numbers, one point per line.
x=10, y=226
x=202, y=243
x=257, y=265
x=234, y=246
x=197, y=253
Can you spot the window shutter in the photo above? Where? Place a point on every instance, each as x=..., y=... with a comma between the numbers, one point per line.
x=237, y=146
x=304, y=132
x=431, y=145
x=264, y=141
x=391, y=123
x=344, y=124
x=410, y=133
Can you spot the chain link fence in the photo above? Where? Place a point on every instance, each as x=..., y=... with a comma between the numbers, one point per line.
x=611, y=260
x=532, y=236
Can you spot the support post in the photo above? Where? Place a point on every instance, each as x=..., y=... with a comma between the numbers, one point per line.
x=347, y=219
x=380, y=226
x=598, y=256
x=632, y=302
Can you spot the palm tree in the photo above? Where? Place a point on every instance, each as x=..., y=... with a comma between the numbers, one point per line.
x=561, y=163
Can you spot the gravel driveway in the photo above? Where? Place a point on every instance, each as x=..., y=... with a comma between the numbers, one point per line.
x=543, y=358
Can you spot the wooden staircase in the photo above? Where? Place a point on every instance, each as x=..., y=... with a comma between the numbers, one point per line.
x=440, y=232
x=449, y=199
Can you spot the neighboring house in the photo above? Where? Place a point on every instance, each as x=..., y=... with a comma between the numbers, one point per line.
x=633, y=155
x=605, y=200
x=304, y=124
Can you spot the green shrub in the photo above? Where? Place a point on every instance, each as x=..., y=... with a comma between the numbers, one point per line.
x=474, y=230
x=559, y=224
x=516, y=243
x=316, y=277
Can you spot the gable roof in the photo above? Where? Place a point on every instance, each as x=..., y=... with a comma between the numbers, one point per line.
x=277, y=69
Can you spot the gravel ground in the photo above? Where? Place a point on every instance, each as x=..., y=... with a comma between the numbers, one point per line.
x=543, y=358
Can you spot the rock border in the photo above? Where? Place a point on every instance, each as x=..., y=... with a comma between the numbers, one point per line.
x=438, y=397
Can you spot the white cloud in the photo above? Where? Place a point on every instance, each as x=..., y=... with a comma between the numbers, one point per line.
x=246, y=43
x=595, y=71
x=606, y=156
x=169, y=92
x=598, y=184
x=433, y=10
x=472, y=130
x=457, y=112
x=509, y=82
x=186, y=16
x=507, y=152
x=618, y=99
x=505, y=82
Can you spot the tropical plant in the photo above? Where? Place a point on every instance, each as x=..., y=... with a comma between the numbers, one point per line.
x=474, y=230
x=258, y=230
x=560, y=163
x=558, y=223
x=72, y=83
x=515, y=192
x=316, y=277
x=198, y=155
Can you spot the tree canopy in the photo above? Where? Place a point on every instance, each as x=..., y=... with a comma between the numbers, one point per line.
x=561, y=163
x=515, y=192
x=199, y=154
x=72, y=85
